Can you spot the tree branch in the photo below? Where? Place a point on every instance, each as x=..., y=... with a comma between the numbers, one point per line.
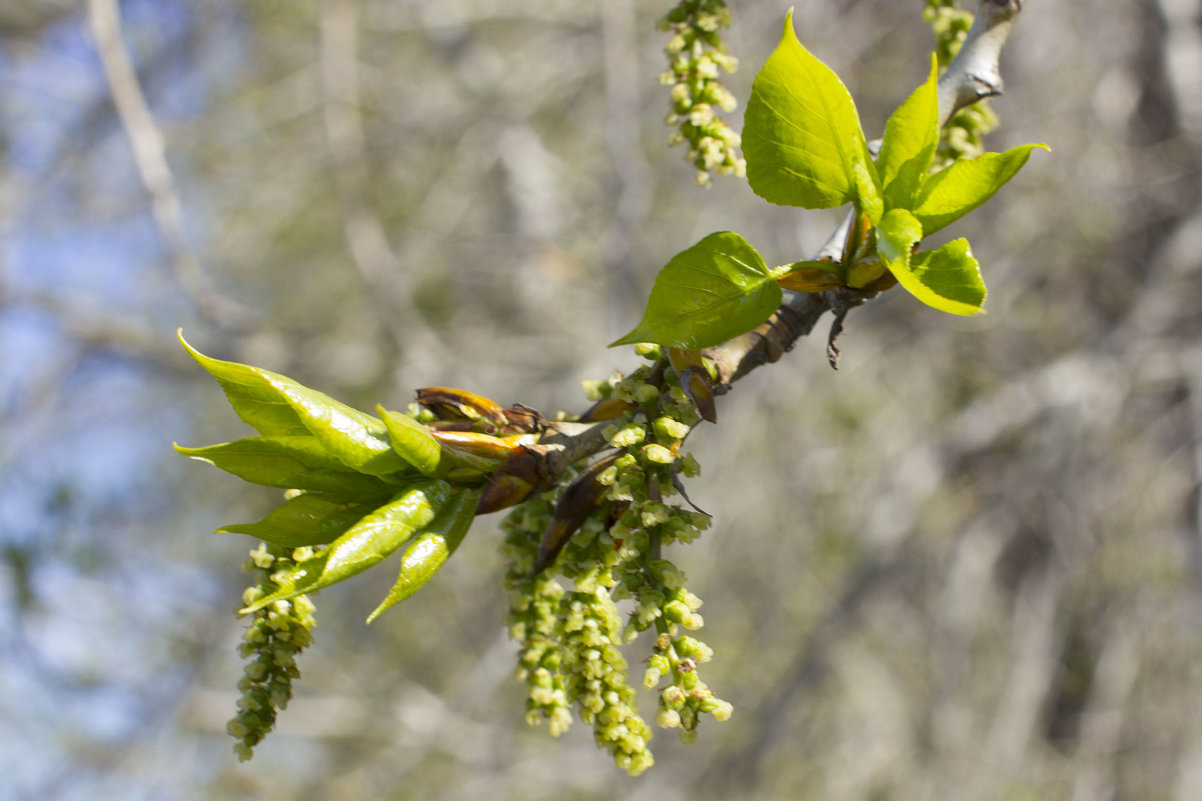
x=973, y=75
x=146, y=141
x=975, y=72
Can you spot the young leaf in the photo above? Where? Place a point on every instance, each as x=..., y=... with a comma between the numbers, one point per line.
x=304, y=520
x=809, y=276
x=949, y=279
x=431, y=548
x=354, y=438
x=252, y=395
x=801, y=133
x=896, y=237
x=868, y=192
x=275, y=405
x=949, y=194
x=372, y=539
x=290, y=463
x=412, y=440
x=715, y=290
x=911, y=136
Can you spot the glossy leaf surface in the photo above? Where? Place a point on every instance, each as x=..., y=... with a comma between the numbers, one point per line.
x=275, y=405
x=372, y=539
x=412, y=441
x=430, y=549
x=290, y=463
x=253, y=394
x=715, y=290
x=304, y=520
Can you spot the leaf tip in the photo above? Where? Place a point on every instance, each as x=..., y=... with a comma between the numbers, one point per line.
x=788, y=29
x=628, y=339
x=193, y=352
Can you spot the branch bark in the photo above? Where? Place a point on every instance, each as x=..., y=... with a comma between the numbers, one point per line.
x=973, y=75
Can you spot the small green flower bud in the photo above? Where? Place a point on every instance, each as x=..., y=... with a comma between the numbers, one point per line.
x=668, y=428
x=646, y=393
x=628, y=436
x=673, y=697
x=654, y=514
x=667, y=719
x=560, y=720
x=647, y=350
x=658, y=454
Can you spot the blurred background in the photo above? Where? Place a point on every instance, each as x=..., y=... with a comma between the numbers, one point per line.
x=968, y=565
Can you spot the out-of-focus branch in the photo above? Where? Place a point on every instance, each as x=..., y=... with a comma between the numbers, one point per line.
x=146, y=140
x=388, y=283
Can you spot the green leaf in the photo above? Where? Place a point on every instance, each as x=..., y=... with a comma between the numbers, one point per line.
x=430, y=549
x=412, y=441
x=949, y=194
x=911, y=136
x=715, y=290
x=949, y=279
x=304, y=520
x=275, y=405
x=354, y=438
x=868, y=192
x=252, y=394
x=290, y=463
x=896, y=237
x=372, y=539
x=801, y=133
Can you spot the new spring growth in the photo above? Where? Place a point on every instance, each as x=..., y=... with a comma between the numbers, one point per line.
x=605, y=532
x=696, y=56
x=275, y=635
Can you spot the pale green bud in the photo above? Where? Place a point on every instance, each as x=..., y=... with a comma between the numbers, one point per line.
x=646, y=393
x=667, y=719
x=658, y=454
x=628, y=436
x=669, y=428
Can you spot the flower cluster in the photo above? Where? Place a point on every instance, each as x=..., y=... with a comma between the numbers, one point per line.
x=533, y=616
x=696, y=56
x=963, y=136
x=570, y=639
x=272, y=640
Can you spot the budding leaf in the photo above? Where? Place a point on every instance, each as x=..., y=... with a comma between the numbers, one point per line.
x=896, y=237
x=412, y=440
x=817, y=275
x=715, y=290
x=949, y=279
x=868, y=192
x=304, y=520
x=911, y=136
x=275, y=405
x=801, y=133
x=299, y=462
x=951, y=193
x=252, y=394
x=429, y=550
x=372, y=539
